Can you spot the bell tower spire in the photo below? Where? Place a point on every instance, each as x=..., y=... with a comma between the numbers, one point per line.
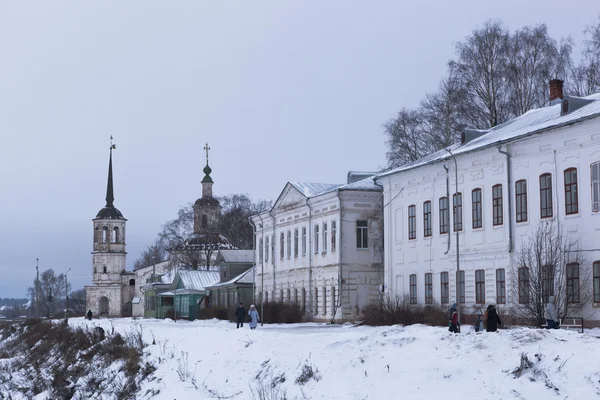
x=207, y=181
x=110, y=197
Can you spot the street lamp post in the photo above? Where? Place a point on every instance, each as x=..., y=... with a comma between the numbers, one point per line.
x=457, y=246
x=67, y=298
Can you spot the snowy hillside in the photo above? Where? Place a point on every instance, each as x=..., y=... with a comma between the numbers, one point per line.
x=213, y=359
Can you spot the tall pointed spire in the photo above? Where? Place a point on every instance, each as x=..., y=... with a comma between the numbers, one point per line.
x=110, y=197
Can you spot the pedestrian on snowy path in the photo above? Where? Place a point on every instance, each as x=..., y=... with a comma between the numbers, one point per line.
x=493, y=320
x=254, y=317
x=453, y=325
x=240, y=314
x=550, y=314
x=89, y=315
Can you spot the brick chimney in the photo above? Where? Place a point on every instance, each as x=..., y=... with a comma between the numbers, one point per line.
x=556, y=89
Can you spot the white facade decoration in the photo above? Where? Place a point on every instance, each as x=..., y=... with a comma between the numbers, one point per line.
x=540, y=142
x=308, y=253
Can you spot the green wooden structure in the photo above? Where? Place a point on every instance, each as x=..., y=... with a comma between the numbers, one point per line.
x=187, y=292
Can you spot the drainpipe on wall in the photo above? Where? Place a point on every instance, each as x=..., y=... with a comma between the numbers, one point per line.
x=383, y=235
x=274, y=258
x=310, y=260
x=341, y=263
x=262, y=274
x=457, y=243
x=453, y=216
x=509, y=184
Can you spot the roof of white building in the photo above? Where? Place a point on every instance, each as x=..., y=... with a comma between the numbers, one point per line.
x=244, y=277
x=237, y=256
x=316, y=189
x=532, y=122
x=198, y=279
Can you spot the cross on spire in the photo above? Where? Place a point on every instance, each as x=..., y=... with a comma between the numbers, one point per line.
x=206, y=148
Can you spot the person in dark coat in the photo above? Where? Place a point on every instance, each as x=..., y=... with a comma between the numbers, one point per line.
x=493, y=320
x=453, y=324
x=89, y=315
x=240, y=314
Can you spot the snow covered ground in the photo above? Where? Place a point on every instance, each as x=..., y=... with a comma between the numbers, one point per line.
x=213, y=359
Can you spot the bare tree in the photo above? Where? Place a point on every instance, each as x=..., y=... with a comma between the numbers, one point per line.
x=585, y=76
x=77, y=301
x=236, y=209
x=52, y=291
x=152, y=255
x=549, y=263
x=481, y=66
x=406, y=138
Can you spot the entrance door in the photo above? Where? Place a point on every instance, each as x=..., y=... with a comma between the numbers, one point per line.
x=103, y=305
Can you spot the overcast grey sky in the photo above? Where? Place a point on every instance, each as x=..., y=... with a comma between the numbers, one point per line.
x=281, y=90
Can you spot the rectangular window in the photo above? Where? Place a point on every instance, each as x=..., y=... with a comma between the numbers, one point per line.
x=303, y=241
x=316, y=239
x=500, y=286
x=333, y=235
x=272, y=249
x=289, y=244
x=444, y=292
x=281, y=245
x=412, y=222
x=461, y=286
x=571, y=202
x=595, y=176
x=267, y=249
x=429, y=288
x=324, y=299
x=524, y=285
x=444, y=215
x=498, y=213
x=546, y=196
x=547, y=282
x=296, y=242
x=333, y=300
x=316, y=301
x=260, y=250
x=427, y=219
x=324, y=237
x=596, y=275
x=573, y=283
x=521, y=200
x=480, y=286
x=477, y=217
x=413, y=289
x=362, y=235
x=457, y=211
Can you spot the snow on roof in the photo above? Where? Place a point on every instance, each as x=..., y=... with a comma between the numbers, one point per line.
x=237, y=256
x=244, y=277
x=533, y=121
x=198, y=279
x=314, y=189
x=363, y=184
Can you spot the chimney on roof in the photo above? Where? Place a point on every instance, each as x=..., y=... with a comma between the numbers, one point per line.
x=556, y=89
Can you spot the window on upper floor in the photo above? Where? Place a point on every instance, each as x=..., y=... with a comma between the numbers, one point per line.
x=596, y=283
x=571, y=201
x=303, y=241
x=267, y=249
x=115, y=238
x=412, y=222
x=595, y=178
x=273, y=249
x=204, y=221
x=573, y=283
x=289, y=244
x=500, y=286
x=282, y=245
x=429, y=288
x=444, y=215
x=480, y=286
x=324, y=237
x=444, y=291
x=105, y=234
x=521, y=200
x=427, y=219
x=362, y=235
x=477, y=208
x=333, y=235
x=316, y=239
x=296, y=242
x=104, y=269
x=413, y=289
x=260, y=250
x=457, y=211
x=524, y=288
x=546, y=196
x=497, y=210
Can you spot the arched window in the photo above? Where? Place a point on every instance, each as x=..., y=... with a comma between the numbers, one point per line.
x=521, y=200
x=204, y=223
x=571, y=201
x=546, y=195
x=103, y=305
x=477, y=208
x=116, y=235
x=105, y=234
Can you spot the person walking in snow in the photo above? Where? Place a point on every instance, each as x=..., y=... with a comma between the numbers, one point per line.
x=550, y=314
x=254, y=317
x=453, y=325
x=240, y=314
x=89, y=315
x=493, y=320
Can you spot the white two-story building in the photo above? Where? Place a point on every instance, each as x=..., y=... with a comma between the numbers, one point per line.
x=319, y=246
x=494, y=189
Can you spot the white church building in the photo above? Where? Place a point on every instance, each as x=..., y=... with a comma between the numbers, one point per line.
x=319, y=247
x=492, y=191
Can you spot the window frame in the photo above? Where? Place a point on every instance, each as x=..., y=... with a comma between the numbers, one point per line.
x=462, y=298
x=303, y=241
x=316, y=239
x=497, y=205
x=444, y=215
x=281, y=246
x=412, y=279
x=333, y=235
x=571, y=191
x=500, y=286
x=546, y=206
x=548, y=275
x=479, y=286
x=260, y=250
x=324, y=237
x=523, y=285
x=444, y=288
x=428, y=288
x=457, y=212
x=596, y=282
x=477, y=209
x=296, y=242
x=412, y=222
x=362, y=234
x=573, y=288
x=289, y=244
x=521, y=200
x=427, y=218
x=267, y=249
x=595, y=185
